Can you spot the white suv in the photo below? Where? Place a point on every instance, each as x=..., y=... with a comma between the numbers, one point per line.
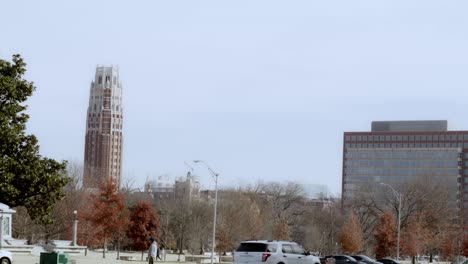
x=272, y=252
x=5, y=257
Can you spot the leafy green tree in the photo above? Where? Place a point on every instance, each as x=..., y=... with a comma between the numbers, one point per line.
x=26, y=178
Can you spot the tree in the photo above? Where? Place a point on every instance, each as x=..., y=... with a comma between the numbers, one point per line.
x=464, y=248
x=284, y=203
x=201, y=219
x=414, y=238
x=180, y=222
x=144, y=223
x=281, y=230
x=108, y=214
x=26, y=178
x=327, y=220
x=424, y=200
x=224, y=241
x=351, y=237
x=385, y=236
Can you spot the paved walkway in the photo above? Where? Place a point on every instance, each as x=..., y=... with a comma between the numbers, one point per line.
x=96, y=258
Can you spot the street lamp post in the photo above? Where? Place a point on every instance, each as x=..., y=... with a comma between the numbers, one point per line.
x=215, y=176
x=398, y=196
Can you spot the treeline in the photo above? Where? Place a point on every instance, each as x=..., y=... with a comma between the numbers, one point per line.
x=127, y=218
x=365, y=223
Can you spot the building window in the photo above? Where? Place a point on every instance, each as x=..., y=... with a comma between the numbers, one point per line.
x=100, y=80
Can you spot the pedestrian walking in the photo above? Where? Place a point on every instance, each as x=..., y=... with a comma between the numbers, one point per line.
x=152, y=251
x=159, y=253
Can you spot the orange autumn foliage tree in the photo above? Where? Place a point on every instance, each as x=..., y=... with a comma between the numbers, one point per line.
x=224, y=242
x=108, y=214
x=447, y=246
x=351, y=237
x=414, y=238
x=281, y=230
x=385, y=236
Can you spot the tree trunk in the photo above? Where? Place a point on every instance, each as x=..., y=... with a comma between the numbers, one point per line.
x=104, y=249
x=142, y=253
x=118, y=249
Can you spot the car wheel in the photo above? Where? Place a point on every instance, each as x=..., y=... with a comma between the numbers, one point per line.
x=5, y=261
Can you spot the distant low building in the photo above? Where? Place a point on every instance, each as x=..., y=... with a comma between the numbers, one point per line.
x=315, y=191
x=162, y=187
x=187, y=188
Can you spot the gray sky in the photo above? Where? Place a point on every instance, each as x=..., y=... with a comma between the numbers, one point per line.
x=258, y=89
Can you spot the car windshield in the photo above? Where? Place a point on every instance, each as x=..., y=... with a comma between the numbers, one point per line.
x=367, y=258
x=252, y=247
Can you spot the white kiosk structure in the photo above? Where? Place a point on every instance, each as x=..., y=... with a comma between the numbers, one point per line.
x=6, y=215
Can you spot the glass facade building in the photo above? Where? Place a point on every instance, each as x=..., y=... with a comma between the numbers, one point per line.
x=401, y=152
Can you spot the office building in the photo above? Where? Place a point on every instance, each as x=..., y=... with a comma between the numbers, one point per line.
x=104, y=135
x=401, y=152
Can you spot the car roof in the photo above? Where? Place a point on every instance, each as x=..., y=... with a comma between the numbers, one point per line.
x=269, y=241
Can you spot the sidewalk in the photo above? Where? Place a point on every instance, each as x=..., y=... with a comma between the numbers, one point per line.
x=96, y=258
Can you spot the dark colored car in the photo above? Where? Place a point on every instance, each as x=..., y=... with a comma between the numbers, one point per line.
x=344, y=259
x=365, y=259
x=323, y=260
x=388, y=261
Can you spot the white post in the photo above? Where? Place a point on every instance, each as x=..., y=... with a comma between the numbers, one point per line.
x=75, y=228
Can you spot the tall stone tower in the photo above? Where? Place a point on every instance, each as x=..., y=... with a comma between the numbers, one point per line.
x=104, y=134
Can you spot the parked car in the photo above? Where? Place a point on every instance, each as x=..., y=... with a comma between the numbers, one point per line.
x=344, y=259
x=388, y=261
x=323, y=260
x=365, y=259
x=272, y=252
x=5, y=257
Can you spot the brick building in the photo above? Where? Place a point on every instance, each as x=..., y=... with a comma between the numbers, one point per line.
x=104, y=135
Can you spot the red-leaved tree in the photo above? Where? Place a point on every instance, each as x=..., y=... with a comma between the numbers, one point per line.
x=385, y=236
x=108, y=214
x=351, y=237
x=465, y=246
x=144, y=223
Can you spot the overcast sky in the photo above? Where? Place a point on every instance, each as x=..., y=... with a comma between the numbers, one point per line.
x=258, y=89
